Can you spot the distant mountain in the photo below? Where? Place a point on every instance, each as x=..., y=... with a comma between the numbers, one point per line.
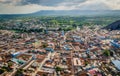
x=64, y=13
x=68, y=13
x=76, y=12
x=113, y=26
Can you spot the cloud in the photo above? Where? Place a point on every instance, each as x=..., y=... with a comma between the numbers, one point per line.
x=10, y=2
x=42, y=2
x=92, y=5
x=30, y=6
x=113, y=4
x=39, y=2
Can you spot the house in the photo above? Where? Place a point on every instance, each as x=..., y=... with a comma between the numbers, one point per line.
x=116, y=63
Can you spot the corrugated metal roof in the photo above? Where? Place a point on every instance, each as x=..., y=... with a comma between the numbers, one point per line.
x=116, y=63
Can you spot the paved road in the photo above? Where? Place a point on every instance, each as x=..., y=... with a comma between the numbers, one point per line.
x=42, y=63
x=29, y=64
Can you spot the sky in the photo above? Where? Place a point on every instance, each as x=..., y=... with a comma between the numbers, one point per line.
x=31, y=6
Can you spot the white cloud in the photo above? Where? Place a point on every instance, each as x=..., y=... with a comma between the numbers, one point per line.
x=92, y=5
x=113, y=4
x=10, y=2
x=12, y=8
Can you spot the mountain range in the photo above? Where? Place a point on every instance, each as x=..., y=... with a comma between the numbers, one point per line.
x=76, y=12
x=69, y=13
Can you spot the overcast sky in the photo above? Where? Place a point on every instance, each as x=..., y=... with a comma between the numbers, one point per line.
x=30, y=6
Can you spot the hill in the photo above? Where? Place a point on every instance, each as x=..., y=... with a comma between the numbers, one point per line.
x=113, y=26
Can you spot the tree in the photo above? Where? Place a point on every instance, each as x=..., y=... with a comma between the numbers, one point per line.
x=106, y=53
x=19, y=72
x=2, y=70
x=58, y=69
x=86, y=62
x=10, y=64
x=44, y=45
x=74, y=25
x=44, y=75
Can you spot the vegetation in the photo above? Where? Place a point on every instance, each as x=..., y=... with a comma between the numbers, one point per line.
x=86, y=62
x=6, y=68
x=38, y=24
x=106, y=52
x=2, y=70
x=10, y=64
x=58, y=69
x=19, y=72
x=44, y=45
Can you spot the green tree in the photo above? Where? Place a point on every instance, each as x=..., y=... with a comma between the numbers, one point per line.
x=19, y=72
x=58, y=69
x=106, y=52
x=10, y=64
x=2, y=70
x=44, y=45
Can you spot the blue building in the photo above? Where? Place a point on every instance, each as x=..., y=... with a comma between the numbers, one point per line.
x=88, y=51
x=16, y=54
x=17, y=61
x=66, y=47
x=49, y=49
x=46, y=31
x=77, y=39
x=116, y=63
x=115, y=44
x=63, y=33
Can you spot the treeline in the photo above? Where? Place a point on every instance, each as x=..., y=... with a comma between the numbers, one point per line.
x=67, y=20
x=34, y=24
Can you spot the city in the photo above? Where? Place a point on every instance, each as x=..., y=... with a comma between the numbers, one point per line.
x=59, y=37
x=79, y=52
